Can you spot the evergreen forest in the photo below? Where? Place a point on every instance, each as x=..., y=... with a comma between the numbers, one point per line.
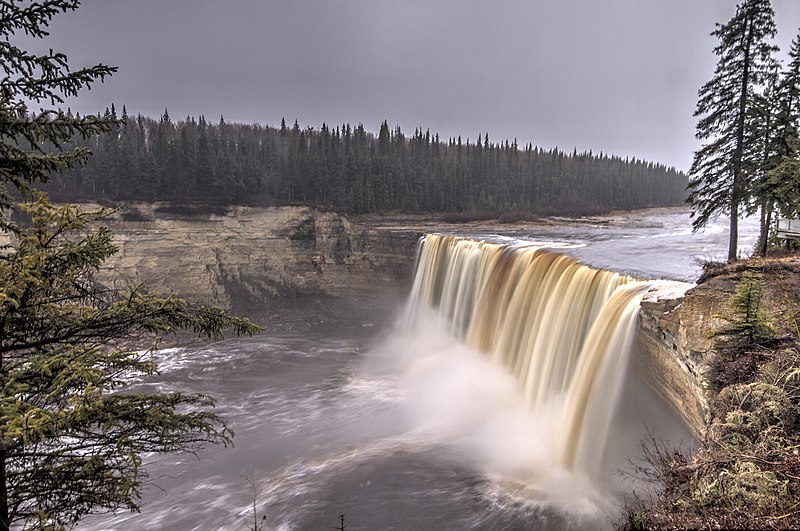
x=350, y=169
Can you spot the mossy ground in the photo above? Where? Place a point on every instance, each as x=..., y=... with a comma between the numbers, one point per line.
x=746, y=473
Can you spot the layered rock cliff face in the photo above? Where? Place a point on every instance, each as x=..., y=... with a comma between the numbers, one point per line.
x=675, y=346
x=250, y=259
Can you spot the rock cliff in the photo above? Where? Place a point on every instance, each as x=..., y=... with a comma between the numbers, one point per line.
x=675, y=346
x=250, y=259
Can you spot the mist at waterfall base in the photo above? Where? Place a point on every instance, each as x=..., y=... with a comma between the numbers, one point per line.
x=395, y=427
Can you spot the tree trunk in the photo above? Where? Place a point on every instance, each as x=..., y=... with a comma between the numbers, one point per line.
x=762, y=233
x=734, y=231
x=737, y=187
x=766, y=220
x=4, y=523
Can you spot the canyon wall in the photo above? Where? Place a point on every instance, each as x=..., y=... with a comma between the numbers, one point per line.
x=675, y=345
x=250, y=259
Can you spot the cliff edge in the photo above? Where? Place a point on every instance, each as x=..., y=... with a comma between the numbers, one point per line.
x=251, y=260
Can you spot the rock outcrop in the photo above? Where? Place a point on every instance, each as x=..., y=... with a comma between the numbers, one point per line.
x=247, y=259
x=675, y=345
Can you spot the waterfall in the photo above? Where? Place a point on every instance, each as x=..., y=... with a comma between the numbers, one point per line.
x=561, y=328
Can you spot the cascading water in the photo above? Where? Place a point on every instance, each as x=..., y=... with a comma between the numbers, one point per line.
x=563, y=329
x=413, y=428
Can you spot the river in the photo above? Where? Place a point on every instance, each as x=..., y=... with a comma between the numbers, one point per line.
x=396, y=430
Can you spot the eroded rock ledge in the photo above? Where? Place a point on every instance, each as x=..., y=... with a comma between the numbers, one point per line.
x=675, y=345
x=248, y=259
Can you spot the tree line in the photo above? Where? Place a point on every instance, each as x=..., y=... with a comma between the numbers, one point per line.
x=352, y=170
x=748, y=121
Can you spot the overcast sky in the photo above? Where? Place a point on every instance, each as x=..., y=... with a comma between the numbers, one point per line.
x=618, y=76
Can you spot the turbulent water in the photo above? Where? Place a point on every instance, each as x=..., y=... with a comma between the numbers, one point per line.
x=433, y=422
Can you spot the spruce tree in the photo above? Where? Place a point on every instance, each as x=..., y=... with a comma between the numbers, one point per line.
x=778, y=115
x=783, y=181
x=783, y=178
x=30, y=78
x=72, y=438
x=763, y=153
x=748, y=321
x=719, y=179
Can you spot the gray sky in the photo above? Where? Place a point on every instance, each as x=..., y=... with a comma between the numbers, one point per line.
x=619, y=76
